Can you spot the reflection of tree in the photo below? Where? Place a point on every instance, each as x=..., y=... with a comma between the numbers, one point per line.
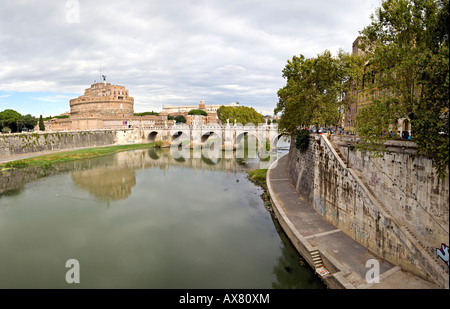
x=109, y=184
x=180, y=159
x=153, y=153
x=290, y=273
x=210, y=161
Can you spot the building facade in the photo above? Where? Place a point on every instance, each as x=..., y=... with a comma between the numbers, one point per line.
x=363, y=95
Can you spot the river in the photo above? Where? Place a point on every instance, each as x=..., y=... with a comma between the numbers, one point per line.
x=142, y=219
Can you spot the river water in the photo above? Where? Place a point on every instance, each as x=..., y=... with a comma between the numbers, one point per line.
x=142, y=219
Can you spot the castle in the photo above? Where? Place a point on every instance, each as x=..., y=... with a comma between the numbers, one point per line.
x=106, y=106
x=103, y=106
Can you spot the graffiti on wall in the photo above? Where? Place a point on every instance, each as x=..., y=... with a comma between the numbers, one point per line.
x=319, y=205
x=442, y=253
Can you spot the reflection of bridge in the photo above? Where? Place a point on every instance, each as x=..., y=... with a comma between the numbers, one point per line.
x=229, y=136
x=112, y=178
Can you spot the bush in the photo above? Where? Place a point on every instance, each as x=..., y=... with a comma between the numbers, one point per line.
x=302, y=140
x=158, y=144
x=6, y=130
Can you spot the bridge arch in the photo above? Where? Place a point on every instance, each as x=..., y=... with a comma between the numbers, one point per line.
x=241, y=134
x=177, y=134
x=275, y=140
x=152, y=136
x=206, y=135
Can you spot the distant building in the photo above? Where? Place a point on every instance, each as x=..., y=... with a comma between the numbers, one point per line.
x=364, y=94
x=211, y=110
x=104, y=106
x=172, y=109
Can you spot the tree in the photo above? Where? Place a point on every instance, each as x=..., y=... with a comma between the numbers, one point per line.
x=29, y=122
x=146, y=113
x=11, y=118
x=317, y=90
x=41, y=124
x=197, y=112
x=180, y=118
x=6, y=130
x=242, y=114
x=406, y=48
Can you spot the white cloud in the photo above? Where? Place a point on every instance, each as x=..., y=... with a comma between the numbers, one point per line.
x=171, y=52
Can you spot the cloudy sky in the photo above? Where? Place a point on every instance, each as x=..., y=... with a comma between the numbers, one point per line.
x=164, y=51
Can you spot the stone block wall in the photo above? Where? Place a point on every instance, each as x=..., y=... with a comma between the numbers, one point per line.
x=17, y=144
x=362, y=202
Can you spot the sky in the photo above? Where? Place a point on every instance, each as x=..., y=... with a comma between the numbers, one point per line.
x=172, y=52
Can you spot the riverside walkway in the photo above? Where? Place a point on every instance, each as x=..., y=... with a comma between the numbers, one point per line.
x=321, y=243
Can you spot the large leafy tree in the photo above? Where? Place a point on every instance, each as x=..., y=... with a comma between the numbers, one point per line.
x=29, y=122
x=242, y=114
x=10, y=118
x=407, y=54
x=317, y=90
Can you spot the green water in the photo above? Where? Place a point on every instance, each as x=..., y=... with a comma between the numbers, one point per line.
x=142, y=219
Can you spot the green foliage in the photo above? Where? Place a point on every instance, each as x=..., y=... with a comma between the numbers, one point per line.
x=10, y=118
x=146, y=114
x=29, y=122
x=57, y=117
x=407, y=50
x=197, y=112
x=242, y=114
x=180, y=118
x=302, y=140
x=158, y=144
x=317, y=90
x=6, y=130
x=41, y=124
x=258, y=176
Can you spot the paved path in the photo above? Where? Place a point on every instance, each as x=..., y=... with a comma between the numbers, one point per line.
x=310, y=229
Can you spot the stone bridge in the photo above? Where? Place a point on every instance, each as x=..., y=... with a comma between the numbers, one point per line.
x=229, y=136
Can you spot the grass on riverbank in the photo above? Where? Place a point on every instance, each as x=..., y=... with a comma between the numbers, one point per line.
x=258, y=177
x=61, y=157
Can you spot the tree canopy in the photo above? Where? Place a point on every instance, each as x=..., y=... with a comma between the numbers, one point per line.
x=10, y=118
x=317, y=90
x=242, y=114
x=146, y=113
x=407, y=52
x=13, y=120
x=197, y=112
x=180, y=118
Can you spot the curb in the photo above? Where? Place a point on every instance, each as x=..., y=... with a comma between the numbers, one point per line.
x=333, y=280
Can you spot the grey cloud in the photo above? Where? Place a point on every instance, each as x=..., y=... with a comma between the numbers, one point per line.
x=171, y=52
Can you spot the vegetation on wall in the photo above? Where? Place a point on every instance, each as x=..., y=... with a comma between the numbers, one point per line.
x=302, y=140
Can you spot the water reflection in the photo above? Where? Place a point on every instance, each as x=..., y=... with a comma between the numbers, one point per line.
x=191, y=223
x=112, y=178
